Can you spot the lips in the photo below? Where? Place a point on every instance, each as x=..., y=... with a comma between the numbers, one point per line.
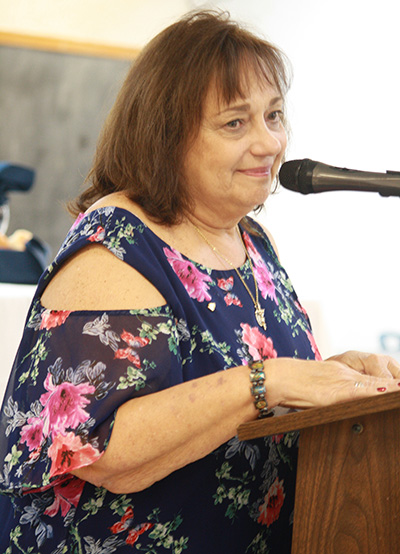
x=263, y=171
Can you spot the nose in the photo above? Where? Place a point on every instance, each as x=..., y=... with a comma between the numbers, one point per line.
x=266, y=141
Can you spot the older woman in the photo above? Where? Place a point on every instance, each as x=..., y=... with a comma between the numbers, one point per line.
x=167, y=320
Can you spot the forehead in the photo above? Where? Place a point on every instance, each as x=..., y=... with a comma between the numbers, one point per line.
x=249, y=84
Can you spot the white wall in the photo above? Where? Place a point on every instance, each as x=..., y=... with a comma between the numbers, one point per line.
x=341, y=249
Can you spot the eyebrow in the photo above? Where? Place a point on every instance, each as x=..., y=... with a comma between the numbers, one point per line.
x=246, y=107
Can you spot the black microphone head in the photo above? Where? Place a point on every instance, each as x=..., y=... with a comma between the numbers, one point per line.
x=296, y=175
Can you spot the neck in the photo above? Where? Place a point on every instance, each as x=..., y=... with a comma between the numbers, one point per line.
x=215, y=226
x=226, y=244
x=259, y=312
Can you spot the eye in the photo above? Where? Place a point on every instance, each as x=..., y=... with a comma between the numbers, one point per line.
x=234, y=124
x=276, y=116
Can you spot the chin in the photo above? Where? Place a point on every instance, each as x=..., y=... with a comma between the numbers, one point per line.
x=249, y=209
x=260, y=199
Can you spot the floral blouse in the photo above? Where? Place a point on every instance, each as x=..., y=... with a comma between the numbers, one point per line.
x=74, y=369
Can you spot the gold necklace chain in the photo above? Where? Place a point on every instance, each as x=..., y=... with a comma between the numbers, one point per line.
x=259, y=312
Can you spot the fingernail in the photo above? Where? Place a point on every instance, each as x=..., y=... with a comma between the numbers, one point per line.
x=382, y=389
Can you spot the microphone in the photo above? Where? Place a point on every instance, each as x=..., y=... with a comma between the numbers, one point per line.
x=307, y=176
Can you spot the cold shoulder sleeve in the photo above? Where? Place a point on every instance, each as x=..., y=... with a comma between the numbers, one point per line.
x=77, y=369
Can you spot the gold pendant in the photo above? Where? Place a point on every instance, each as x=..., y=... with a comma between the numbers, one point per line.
x=259, y=313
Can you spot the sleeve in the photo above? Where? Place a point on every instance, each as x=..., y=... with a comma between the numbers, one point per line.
x=73, y=371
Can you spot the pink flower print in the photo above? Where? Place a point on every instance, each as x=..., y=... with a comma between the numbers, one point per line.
x=277, y=438
x=300, y=307
x=67, y=494
x=125, y=523
x=226, y=284
x=314, y=346
x=251, y=249
x=232, y=299
x=262, y=274
x=64, y=405
x=134, y=534
x=264, y=281
x=260, y=346
x=78, y=220
x=67, y=453
x=194, y=281
x=52, y=318
x=98, y=236
x=32, y=434
x=134, y=343
x=273, y=502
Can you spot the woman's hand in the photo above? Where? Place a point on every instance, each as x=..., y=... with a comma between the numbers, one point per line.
x=308, y=384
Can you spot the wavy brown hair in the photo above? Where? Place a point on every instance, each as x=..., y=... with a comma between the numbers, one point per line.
x=159, y=109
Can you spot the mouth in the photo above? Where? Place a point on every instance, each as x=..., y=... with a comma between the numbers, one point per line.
x=262, y=171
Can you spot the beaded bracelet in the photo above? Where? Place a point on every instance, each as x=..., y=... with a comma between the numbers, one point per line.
x=257, y=380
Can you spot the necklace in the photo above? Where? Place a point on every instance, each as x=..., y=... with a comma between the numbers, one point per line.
x=258, y=311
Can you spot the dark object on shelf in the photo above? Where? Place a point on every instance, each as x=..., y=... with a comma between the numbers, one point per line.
x=16, y=266
x=24, y=267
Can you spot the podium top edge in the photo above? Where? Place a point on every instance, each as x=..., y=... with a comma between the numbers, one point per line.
x=312, y=417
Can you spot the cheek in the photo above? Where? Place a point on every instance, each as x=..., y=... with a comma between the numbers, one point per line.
x=283, y=140
x=217, y=165
x=281, y=137
x=212, y=163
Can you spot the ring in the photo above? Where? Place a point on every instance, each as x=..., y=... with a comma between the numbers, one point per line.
x=358, y=384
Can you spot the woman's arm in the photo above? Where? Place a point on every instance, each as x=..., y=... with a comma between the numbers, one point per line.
x=157, y=434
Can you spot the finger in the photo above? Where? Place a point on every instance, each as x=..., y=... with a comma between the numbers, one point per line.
x=370, y=385
x=383, y=366
x=359, y=386
x=394, y=367
x=379, y=366
x=363, y=362
x=372, y=364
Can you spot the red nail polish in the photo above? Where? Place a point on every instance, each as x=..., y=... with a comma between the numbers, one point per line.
x=382, y=389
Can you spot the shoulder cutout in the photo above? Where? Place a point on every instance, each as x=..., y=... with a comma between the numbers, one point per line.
x=95, y=279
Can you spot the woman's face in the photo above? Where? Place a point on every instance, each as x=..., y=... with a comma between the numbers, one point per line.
x=232, y=163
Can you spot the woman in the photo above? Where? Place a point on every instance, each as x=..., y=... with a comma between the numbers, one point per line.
x=166, y=321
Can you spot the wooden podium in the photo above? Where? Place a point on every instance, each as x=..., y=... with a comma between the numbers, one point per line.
x=348, y=475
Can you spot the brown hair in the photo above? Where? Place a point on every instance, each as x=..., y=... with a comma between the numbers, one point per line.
x=159, y=109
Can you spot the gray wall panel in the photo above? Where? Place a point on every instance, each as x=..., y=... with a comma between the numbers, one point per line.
x=52, y=107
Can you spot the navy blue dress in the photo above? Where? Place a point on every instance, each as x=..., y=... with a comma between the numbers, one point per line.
x=74, y=369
